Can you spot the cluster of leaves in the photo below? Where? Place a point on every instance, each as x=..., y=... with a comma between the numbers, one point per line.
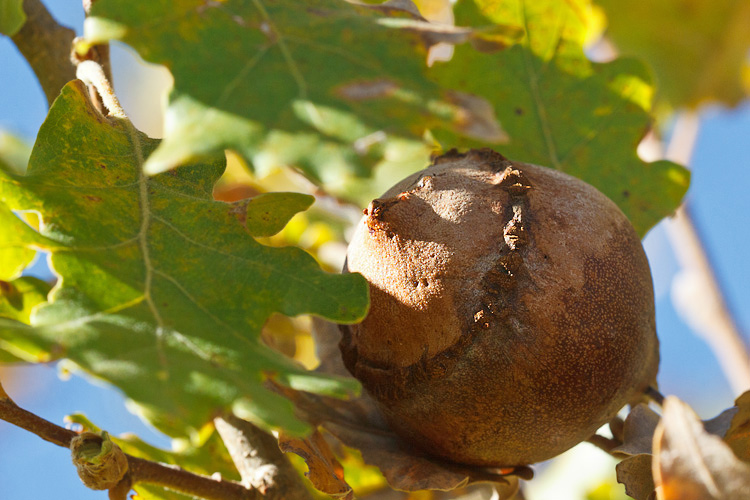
x=688, y=459
x=163, y=291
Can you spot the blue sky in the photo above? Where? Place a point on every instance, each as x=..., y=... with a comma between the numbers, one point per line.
x=31, y=468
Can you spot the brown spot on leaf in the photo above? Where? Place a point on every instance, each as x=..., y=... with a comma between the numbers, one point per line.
x=239, y=210
x=365, y=90
x=475, y=117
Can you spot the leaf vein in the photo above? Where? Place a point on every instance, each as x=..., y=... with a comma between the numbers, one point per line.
x=539, y=105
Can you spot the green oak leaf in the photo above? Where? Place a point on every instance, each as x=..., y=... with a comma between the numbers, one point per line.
x=17, y=300
x=20, y=296
x=268, y=213
x=323, y=74
x=563, y=111
x=14, y=254
x=162, y=291
x=698, y=50
x=15, y=238
x=12, y=16
x=14, y=153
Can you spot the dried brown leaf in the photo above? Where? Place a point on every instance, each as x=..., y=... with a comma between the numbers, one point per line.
x=720, y=424
x=635, y=473
x=407, y=469
x=738, y=435
x=324, y=470
x=476, y=118
x=393, y=8
x=691, y=464
x=404, y=14
x=640, y=425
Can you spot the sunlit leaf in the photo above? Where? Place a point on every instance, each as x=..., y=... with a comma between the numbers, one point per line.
x=697, y=49
x=15, y=239
x=323, y=74
x=14, y=254
x=14, y=153
x=268, y=213
x=19, y=297
x=146, y=264
x=562, y=111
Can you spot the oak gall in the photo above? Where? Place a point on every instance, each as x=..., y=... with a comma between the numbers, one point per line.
x=512, y=310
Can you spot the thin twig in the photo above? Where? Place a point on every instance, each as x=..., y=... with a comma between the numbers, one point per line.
x=13, y=414
x=120, y=492
x=178, y=479
x=604, y=443
x=46, y=46
x=655, y=396
x=139, y=470
x=259, y=460
x=700, y=299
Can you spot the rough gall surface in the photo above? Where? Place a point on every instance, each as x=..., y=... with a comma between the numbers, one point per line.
x=512, y=310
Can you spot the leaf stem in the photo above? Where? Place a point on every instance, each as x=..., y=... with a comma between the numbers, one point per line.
x=656, y=396
x=603, y=443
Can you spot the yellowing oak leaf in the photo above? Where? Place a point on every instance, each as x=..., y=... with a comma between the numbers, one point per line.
x=697, y=49
x=162, y=291
x=322, y=85
x=561, y=110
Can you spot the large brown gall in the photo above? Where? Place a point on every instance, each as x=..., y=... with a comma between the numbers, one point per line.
x=512, y=310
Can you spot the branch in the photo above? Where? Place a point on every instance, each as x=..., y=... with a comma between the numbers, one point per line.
x=259, y=460
x=712, y=318
x=654, y=395
x=26, y=420
x=46, y=46
x=178, y=479
x=139, y=470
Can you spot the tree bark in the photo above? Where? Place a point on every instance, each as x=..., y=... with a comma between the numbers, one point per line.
x=47, y=47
